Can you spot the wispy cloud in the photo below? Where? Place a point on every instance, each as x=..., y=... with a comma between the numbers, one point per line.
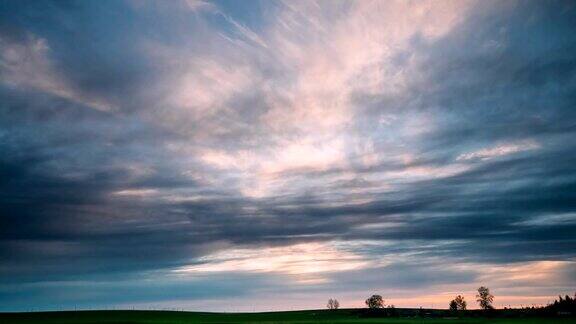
x=26, y=63
x=500, y=150
x=322, y=148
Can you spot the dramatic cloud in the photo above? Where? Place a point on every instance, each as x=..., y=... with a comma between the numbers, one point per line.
x=185, y=153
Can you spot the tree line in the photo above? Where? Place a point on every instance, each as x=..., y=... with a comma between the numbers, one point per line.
x=484, y=299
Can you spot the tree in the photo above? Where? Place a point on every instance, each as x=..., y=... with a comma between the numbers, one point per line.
x=485, y=298
x=333, y=304
x=453, y=305
x=563, y=305
x=375, y=302
x=458, y=303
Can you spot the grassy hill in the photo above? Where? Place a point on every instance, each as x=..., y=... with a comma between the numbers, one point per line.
x=309, y=316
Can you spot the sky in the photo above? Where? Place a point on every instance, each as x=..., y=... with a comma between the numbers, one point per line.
x=265, y=155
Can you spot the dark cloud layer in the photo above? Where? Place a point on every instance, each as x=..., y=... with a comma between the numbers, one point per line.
x=112, y=174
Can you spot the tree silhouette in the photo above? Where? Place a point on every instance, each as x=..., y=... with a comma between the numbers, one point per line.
x=333, y=304
x=485, y=298
x=564, y=305
x=458, y=303
x=375, y=302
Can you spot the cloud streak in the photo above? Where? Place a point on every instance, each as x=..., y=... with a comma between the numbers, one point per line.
x=321, y=148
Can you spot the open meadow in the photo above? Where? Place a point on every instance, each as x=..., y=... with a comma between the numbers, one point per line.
x=311, y=316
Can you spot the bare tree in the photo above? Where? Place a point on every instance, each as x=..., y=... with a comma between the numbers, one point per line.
x=374, y=302
x=333, y=304
x=458, y=303
x=485, y=298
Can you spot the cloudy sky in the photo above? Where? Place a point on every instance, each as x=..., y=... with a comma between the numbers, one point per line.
x=247, y=155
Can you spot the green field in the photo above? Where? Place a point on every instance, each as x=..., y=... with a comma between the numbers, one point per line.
x=314, y=316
